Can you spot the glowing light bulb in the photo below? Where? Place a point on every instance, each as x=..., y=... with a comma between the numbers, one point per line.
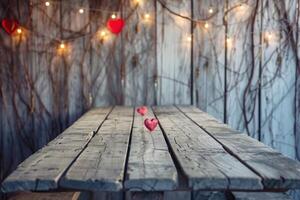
x=113, y=16
x=206, y=25
x=210, y=10
x=137, y=1
x=19, y=30
x=47, y=3
x=102, y=33
x=147, y=16
x=269, y=36
x=189, y=38
x=62, y=45
x=81, y=10
x=228, y=40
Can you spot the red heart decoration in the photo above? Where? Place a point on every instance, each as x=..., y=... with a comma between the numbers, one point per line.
x=10, y=25
x=142, y=110
x=115, y=25
x=151, y=124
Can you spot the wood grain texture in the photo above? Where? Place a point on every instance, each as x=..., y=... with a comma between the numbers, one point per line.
x=242, y=67
x=178, y=195
x=203, y=160
x=144, y=195
x=150, y=166
x=208, y=195
x=105, y=76
x=139, y=52
x=209, y=58
x=102, y=164
x=278, y=91
x=276, y=170
x=44, y=196
x=43, y=170
x=260, y=196
x=173, y=50
x=107, y=196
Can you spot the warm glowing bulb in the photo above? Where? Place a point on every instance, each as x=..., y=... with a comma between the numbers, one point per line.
x=206, y=25
x=269, y=36
x=47, y=3
x=62, y=46
x=147, y=16
x=81, y=10
x=228, y=40
x=137, y=1
x=19, y=30
x=189, y=38
x=113, y=16
x=103, y=33
x=211, y=10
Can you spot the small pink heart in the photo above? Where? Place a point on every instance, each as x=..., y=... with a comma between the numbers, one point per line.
x=151, y=124
x=142, y=110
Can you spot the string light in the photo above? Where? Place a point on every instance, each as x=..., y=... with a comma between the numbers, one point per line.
x=147, y=16
x=102, y=33
x=229, y=42
x=113, y=16
x=63, y=48
x=19, y=31
x=62, y=45
x=269, y=36
x=81, y=10
x=206, y=25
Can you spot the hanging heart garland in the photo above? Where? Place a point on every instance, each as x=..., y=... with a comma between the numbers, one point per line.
x=10, y=25
x=115, y=25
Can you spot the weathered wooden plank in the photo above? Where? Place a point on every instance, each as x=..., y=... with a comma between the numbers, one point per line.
x=44, y=196
x=276, y=170
x=173, y=51
x=105, y=76
x=101, y=166
x=144, y=195
x=278, y=109
x=108, y=196
x=260, y=196
x=82, y=196
x=42, y=170
x=203, y=160
x=150, y=166
x=139, y=52
x=178, y=195
x=162, y=195
x=242, y=70
x=208, y=57
x=208, y=195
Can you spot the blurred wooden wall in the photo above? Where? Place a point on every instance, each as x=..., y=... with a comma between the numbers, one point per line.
x=248, y=82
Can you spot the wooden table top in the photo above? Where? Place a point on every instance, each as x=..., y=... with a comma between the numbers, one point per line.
x=109, y=149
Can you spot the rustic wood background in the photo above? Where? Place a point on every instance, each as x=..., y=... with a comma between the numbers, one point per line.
x=251, y=81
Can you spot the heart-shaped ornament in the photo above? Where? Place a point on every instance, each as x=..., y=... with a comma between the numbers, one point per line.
x=142, y=110
x=151, y=124
x=10, y=25
x=115, y=25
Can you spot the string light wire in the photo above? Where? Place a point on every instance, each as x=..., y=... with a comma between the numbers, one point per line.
x=203, y=21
